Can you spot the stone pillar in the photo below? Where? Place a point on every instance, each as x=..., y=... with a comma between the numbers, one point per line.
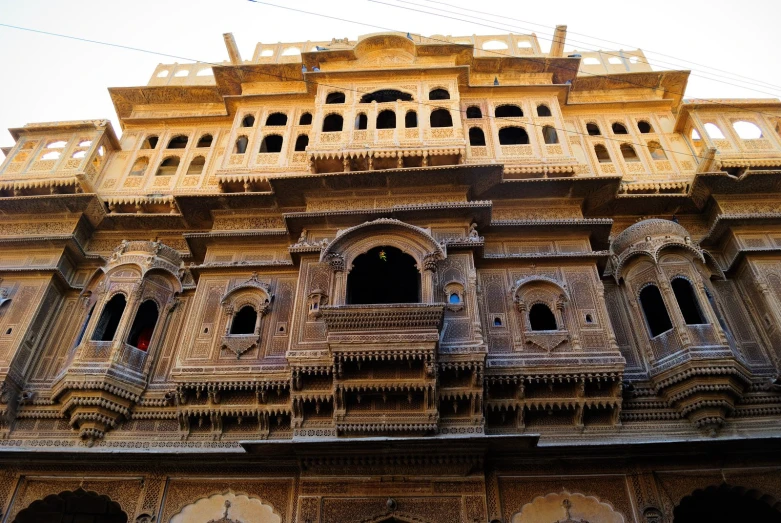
x=340, y=288
x=427, y=277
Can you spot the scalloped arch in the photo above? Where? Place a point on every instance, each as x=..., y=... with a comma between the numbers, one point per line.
x=242, y=508
x=384, y=231
x=551, y=507
x=528, y=280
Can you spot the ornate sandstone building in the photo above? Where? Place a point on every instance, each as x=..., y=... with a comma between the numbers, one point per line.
x=395, y=279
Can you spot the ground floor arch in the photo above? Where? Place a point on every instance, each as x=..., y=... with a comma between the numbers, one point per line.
x=727, y=504
x=73, y=506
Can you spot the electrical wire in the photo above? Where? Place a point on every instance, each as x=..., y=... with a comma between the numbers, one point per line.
x=759, y=82
x=342, y=88
x=509, y=28
x=543, y=62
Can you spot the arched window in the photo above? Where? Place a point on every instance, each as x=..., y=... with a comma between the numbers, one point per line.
x=439, y=94
x=244, y=321
x=549, y=135
x=205, y=141
x=271, y=144
x=644, y=127
x=543, y=110
x=178, y=142
x=301, y=142
x=108, y=322
x=602, y=155
x=593, y=129
x=474, y=112
x=541, y=318
x=241, y=145
x=619, y=128
x=508, y=111
x=655, y=312
x=386, y=95
x=713, y=131
x=476, y=136
x=306, y=119
x=196, y=165
x=143, y=325
x=687, y=301
x=441, y=118
x=276, y=119
x=747, y=130
x=335, y=98
x=168, y=166
x=513, y=136
x=150, y=142
x=386, y=120
x=248, y=121
x=139, y=166
x=411, y=120
x=657, y=153
x=629, y=153
x=361, y=122
x=333, y=123
x=383, y=275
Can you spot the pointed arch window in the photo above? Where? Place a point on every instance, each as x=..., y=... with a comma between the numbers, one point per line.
x=549, y=135
x=306, y=119
x=655, y=312
x=476, y=137
x=196, y=165
x=439, y=94
x=513, y=136
x=333, y=123
x=335, y=98
x=687, y=301
x=361, y=122
x=276, y=119
x=241, y=145
x=205, y=141
x=178, y=142
x=619, y=128
x=271, y=144
x=629, y=153
x=386, y=120
x=301, y=143
x=245, y=321
x=441, y=118
x=593, y=129
x=602, y=155
x=106, y=328
x=543, y=110
x=248, y=121
x=474, y=112
x=541, y=318
x=411, y=120
x=144, y=325
x=644, y=127
x=508, y=111
x=657, y=153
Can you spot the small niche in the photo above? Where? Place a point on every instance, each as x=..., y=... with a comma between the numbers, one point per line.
x=8, y=331
x=497, y=321
x=589, y=319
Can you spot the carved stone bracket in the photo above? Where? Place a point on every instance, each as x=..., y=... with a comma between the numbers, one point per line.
x=546, y=340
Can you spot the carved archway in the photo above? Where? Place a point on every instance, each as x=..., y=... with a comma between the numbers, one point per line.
x=566, y=507
x=414, y=241
x=726, y=503
x=227, y=508
x=79, y=505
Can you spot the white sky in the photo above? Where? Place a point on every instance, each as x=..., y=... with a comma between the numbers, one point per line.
x=45, y=78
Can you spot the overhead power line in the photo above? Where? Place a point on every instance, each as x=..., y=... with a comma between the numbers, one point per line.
x=505, y=27
x=533, y=60
x=754, y=81
x=342, y=88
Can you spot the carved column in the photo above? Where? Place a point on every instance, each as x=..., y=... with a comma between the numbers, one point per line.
x=336, y=261
x=427, y=277
x=128, y=315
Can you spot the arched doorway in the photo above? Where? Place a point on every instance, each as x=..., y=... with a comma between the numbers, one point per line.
x=383, y=275
x=77, y=506
x=725, y=504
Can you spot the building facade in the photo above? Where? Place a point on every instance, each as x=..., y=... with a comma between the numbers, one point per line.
x=397, y=279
